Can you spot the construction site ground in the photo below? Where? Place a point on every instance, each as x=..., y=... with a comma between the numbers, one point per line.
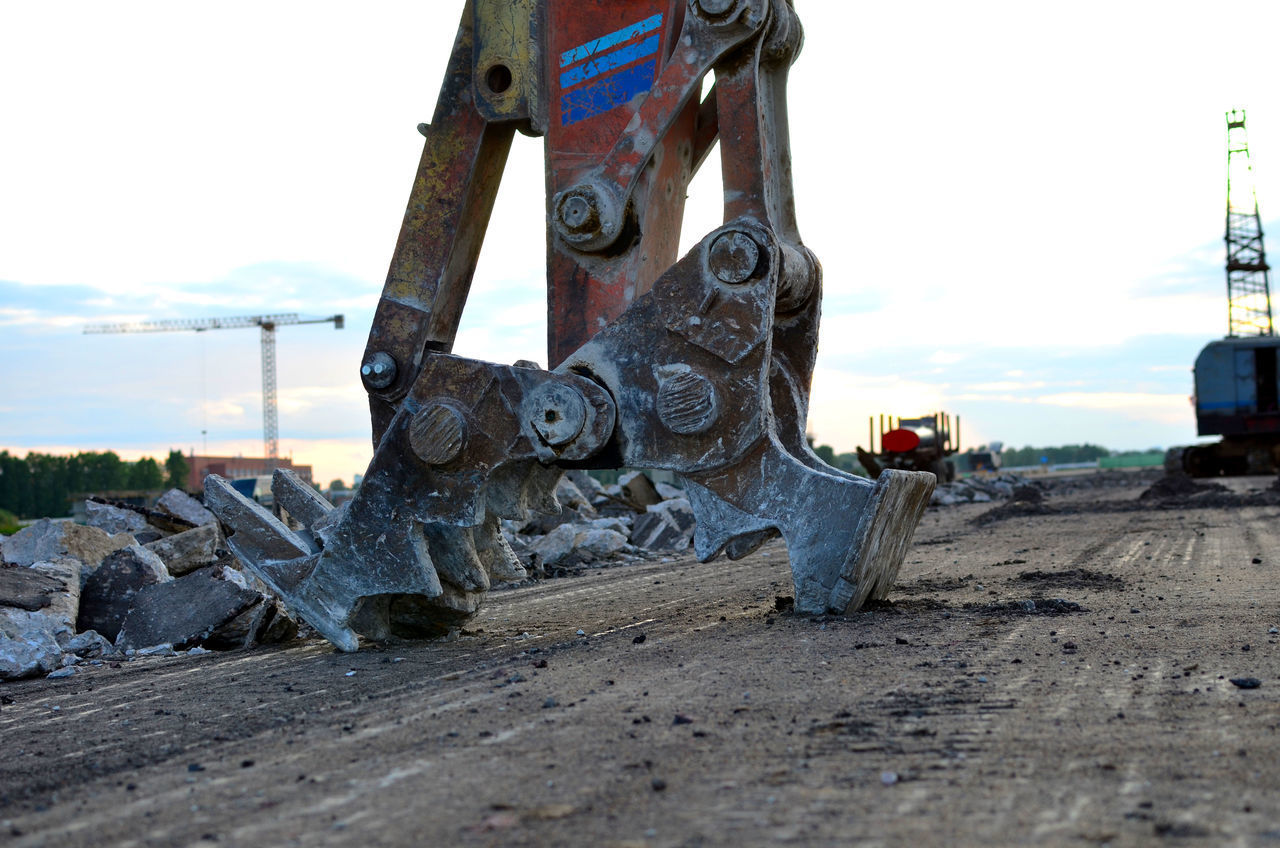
x=677, y=703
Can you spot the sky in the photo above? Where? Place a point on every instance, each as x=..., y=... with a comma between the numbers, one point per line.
x=1019, y=209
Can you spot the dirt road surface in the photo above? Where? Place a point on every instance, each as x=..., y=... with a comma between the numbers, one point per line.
x=1058, y=677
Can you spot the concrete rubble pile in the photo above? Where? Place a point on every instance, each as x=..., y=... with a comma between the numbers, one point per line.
x=137, y=581
x=631, y=520
x=978, y=489
x=131, y=582
x=636, y=518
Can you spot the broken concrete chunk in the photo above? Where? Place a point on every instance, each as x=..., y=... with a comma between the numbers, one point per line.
x=555, y=547
x=185, y=552
x=978, y=490
x=89, y=644
x=113, y=519
x=31, y=641
x=588, y=485
x=281, y=628
x=583, y=541
x=638, y=489
x=183, y=612
x=49, y=540
x=240, y=631
x=25, y=588
x=665, y=526
x=110, y=591
x=64, y=604
x=158, y=523
x=543, y=524
x=28, y=644
x=570, y=496
x=599, y=542
x=234, y=575
x=618, y=523
x=179, y=503
x=263, y=623
x=669, y=491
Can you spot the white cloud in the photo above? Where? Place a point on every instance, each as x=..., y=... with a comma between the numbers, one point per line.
x=1005, y=386
x=946, y=357
x=1164, y=408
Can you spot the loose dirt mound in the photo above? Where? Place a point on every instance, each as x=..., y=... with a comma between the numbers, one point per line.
x=1073, y=578
x=932, y=586
x=1031, y=606
x=1179, y=486
x=1014, y=509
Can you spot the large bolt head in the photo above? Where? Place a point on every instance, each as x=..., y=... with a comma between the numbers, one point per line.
x=578, y=214
x=733, y=257
x=378, y=371
x=586, y=217
x=557, y=412
x=687, y=403
x=715, y=8
x=437, y=433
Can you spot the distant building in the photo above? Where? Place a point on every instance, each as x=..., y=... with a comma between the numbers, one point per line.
x=233, y=467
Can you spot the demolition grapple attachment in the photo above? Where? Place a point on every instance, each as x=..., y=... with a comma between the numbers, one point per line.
x=700, y=366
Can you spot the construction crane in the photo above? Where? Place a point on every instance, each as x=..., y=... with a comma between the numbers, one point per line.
x=1248, y=285
x=268, y=324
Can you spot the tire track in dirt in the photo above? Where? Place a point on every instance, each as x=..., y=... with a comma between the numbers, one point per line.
x=794, y=722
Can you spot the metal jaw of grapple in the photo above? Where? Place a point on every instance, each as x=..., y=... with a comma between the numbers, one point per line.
x=701, y=367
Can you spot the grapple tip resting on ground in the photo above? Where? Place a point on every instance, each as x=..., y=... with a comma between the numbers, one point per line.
x=701, y=366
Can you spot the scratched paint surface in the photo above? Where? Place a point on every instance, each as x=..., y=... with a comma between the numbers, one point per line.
x=607, y=71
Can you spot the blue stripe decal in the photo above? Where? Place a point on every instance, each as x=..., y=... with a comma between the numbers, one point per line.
x=604, y=42
x=1223, y=404
x=606, y=92
x=609, y=61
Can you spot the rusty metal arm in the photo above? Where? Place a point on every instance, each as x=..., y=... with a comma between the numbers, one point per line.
x=448, y=212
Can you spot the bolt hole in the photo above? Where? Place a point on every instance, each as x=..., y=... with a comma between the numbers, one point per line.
x=498, y=78
x=551, y=417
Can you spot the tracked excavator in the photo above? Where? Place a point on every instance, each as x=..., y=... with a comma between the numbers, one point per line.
x=1237, y=382
x=700, y=365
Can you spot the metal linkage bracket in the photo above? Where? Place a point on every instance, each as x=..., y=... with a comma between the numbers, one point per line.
x=414, y=552
x=697, y=399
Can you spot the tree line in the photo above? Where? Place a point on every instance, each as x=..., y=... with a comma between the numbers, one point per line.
x=42, y=484
x=1054, y=456
x=1009, y=456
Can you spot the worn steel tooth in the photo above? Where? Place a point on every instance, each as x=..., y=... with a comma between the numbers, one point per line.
x=740, y=546
x=899, y=500
x=258, y=538
x=358, y=577
x=719, y=522
x=372, y=554
x=299, y=499
x=539, y=492
x=519, y=489
x=846, y=537
x=461, y=603
x=454, y=555
x=495, y=552
x=413, y=616
x=323, y=526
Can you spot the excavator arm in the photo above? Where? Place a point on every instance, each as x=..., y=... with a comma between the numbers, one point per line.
x=700, y=365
